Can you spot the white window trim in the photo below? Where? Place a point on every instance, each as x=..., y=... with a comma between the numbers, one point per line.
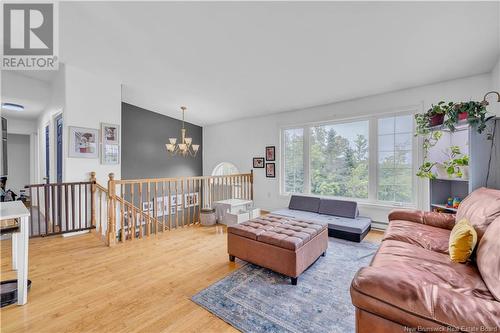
x=372, y=158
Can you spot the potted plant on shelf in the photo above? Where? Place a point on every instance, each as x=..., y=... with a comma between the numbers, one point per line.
x=474, y=112
x=430, y=140
x=457, y=167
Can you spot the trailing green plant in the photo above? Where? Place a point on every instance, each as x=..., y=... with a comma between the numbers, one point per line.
x=476, y=115
x=430, y=140
x=456, y=161
x=423, y=120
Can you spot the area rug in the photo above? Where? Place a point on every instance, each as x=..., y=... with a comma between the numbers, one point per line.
x=255, y=299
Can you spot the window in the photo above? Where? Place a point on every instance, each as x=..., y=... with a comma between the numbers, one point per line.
x=293, y=144
x=395, y=170
x=224, y=169
x=339, y=160
x=370, y=159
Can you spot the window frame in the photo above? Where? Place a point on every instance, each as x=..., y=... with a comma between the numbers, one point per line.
x=373, y=167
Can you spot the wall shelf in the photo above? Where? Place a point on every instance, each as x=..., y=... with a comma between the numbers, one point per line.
x=451, y=209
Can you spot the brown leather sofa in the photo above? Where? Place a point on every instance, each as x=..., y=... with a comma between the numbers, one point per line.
x=412, y=285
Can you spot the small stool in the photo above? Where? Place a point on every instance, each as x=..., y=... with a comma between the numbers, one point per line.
x=207, y=217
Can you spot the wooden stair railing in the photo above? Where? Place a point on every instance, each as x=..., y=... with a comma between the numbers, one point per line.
x=140, y=208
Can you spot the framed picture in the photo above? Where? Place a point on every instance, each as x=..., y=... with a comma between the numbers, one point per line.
x=270, y=170
x=147, y=206
x=190, y=199
x=110, y=134
x=83, y=142
x=270, y=153
x=258, y=162
x=110, y=154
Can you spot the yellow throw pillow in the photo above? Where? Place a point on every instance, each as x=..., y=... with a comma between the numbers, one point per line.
x=463, y=239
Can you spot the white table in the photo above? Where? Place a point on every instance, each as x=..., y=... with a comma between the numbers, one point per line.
x=17, y=210
x=230, y=205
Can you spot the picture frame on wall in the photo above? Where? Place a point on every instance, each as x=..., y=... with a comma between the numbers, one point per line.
x=258, y=162
x=271, y=170
x=83, y=142
x=110, y=134
x=270, y=153
x=110, y=154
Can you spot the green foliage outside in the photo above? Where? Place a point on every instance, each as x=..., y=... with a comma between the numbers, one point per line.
x=339, y=166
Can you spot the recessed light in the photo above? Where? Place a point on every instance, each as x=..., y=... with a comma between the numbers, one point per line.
x=12, y=107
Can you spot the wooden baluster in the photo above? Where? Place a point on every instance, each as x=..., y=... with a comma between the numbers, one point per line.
x=122, y=212
x=200, y=183
x=155, y=205
x=132, y=215
x=100, y=210
x=54, y=206
x=187, y=202
x=182, y=201
x=73, y=224
x=111, y=210
x=176, y=203
x=141, y=208
x=80, y=206
x=251, y=185
x=66, y=207
x=163, y=205
x=148, y=198
x=92, y=198
x=169, y=207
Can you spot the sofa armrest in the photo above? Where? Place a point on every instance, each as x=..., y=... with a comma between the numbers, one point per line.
x=439, y=220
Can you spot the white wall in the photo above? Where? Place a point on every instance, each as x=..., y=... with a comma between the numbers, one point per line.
x=238, y=141
x=90, y=100
x=20, y=126
x=47, y=117
x=18, y=156
x=495, y=85
x=84, y=100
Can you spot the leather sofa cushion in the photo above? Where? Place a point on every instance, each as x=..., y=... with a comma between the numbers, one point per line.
x=480, y=208
x=421, y=235
x=308, y=204
x=340, y=208
x=408, y=284
x=488, y=258
x=279, y=231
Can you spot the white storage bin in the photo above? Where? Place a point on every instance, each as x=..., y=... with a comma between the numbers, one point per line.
x=235, y=218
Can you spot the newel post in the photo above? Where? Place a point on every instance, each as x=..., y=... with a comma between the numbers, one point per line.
x=251, y=184
x=92, y=198
x=111, y=233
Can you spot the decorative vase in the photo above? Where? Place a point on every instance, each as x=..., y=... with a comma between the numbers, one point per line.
x=436, y=120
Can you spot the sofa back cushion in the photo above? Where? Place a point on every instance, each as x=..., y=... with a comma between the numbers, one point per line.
x=480, y=207
x=340, y=208
x=488, y=258
x=308, y=204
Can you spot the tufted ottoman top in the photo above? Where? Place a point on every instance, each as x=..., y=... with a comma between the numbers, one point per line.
x=278, y=230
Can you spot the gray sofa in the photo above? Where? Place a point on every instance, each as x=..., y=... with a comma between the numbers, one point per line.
x=341, y=216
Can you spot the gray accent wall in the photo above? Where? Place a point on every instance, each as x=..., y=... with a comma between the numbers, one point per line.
x=144, y=135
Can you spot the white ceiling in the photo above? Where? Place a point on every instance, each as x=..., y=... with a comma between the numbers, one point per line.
x=30, y=89
x=229, y=60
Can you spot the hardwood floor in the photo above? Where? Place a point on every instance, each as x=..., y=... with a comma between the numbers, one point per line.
x=80, y=285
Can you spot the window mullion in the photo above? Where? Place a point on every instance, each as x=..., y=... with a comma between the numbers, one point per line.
x=372, y=160
x=306, y=160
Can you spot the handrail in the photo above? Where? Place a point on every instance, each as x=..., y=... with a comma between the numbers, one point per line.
x=162, y=202
x=147, y=180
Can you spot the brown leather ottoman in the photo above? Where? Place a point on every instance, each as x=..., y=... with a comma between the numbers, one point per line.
x=284, y=245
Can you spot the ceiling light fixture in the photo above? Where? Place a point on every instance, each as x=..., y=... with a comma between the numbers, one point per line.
x=12, y=107
x=185, y=146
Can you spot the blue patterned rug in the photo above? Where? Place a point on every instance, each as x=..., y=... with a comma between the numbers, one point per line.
x=255, y=299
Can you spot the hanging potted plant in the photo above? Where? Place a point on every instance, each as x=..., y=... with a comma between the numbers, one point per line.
x=436, y=114
x=474, y=112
